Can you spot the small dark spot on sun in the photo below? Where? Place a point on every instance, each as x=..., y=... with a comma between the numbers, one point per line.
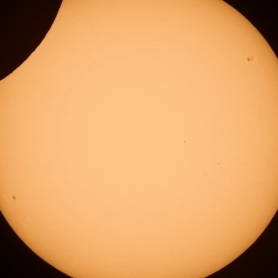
x=14, y=197
x=250, y=58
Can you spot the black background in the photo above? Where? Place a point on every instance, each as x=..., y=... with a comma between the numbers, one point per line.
x=23, y=25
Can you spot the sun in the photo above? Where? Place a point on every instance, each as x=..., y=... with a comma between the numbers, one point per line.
x=140, y=139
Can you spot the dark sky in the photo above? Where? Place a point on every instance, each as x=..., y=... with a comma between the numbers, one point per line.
x=23, y=25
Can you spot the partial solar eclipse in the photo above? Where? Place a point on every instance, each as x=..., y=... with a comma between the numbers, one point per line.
x=139, y=140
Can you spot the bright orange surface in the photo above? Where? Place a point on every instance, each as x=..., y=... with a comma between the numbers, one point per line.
x=140, y=139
